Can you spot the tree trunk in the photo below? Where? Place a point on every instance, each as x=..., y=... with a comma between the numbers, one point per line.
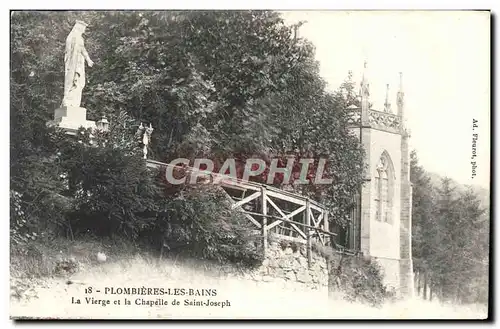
x=457, y=293
x=419, y=279
x=70, y=230
x=425, y=286
x=415, y=278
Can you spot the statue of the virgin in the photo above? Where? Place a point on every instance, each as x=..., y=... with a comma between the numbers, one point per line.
x=74, y=66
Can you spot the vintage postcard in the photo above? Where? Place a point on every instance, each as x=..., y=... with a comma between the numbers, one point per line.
x=251, y=164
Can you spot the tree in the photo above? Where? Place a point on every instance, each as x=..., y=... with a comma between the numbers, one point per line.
x=226, y=84
x=214, y=84
x=446, y=267
x=37, y=53
x=450, y=239
x=424, y=235
x=113, y=193
x=472, y=250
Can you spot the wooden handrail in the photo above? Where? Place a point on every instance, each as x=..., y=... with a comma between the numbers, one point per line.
x=245, y=183
x=228, y=181
x=291, y=221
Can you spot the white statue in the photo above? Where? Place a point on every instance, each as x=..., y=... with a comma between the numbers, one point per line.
x=146, y=137
x=74, y=66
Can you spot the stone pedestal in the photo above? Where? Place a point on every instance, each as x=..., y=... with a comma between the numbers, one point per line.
x=71, y=119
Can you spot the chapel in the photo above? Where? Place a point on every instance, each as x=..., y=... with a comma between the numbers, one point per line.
x=381, y=223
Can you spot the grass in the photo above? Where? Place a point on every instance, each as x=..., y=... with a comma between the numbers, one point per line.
x=40, y=258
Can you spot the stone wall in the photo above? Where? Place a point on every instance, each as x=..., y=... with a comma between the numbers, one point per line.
x=285, y=269
x=286, y=263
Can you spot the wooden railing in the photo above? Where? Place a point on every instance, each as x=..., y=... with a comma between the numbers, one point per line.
x=274, y=211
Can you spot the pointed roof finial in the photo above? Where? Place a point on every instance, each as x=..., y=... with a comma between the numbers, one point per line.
x=400, y=96
x=365, y=64
x=364, y=91
x=387, y=105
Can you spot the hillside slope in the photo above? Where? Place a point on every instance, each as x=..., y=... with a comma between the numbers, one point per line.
x=482, y=193
x=236, y=296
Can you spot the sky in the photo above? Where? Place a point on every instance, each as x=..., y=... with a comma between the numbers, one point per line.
x=445, y=60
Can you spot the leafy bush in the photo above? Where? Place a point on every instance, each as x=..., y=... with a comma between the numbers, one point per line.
x=361, y=280
x=200, y=222
x=212, y=82
x=115, y=194
x=24, y=223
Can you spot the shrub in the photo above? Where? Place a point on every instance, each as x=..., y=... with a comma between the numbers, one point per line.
x=326, y=252
x=200, y=222
x=20, y=233
x=108, y=191
x=361, y=280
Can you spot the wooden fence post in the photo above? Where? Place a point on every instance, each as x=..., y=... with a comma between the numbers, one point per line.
x=264, y=220
x=326, y=224
x=309, y=239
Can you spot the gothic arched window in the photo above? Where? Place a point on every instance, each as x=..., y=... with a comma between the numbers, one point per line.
x=384, y=186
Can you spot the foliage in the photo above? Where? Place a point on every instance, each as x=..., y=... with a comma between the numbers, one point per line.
x=450, y=239
x=36, y=42
x=111, y=187
x=114, y=194
x=361, y=280
x=423, y=228
x=19, y=231
x=215, y=84
x=226, y=84
x=202, y=222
